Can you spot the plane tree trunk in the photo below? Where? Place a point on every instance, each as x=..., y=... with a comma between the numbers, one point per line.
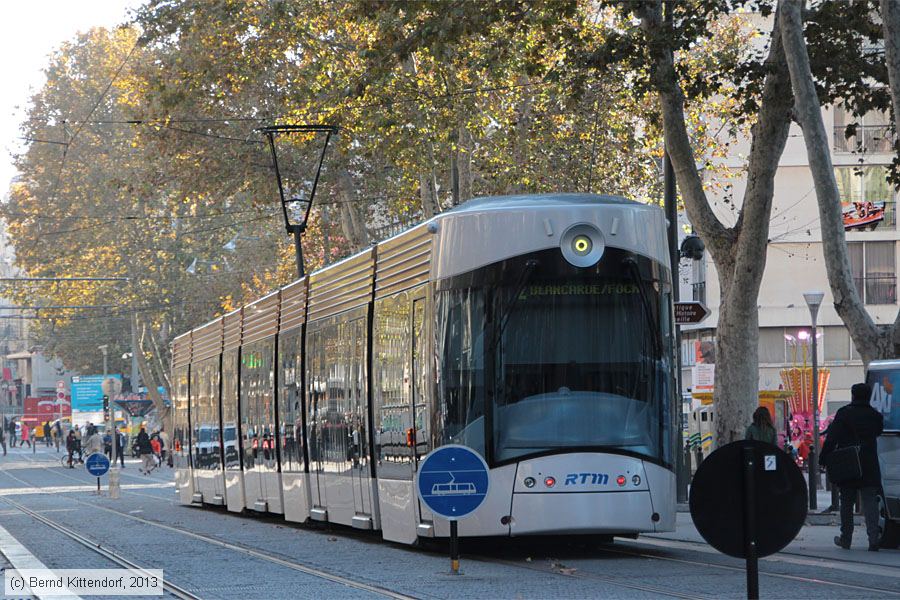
x=739, y=252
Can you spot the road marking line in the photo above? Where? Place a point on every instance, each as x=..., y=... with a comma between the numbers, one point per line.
x=21, y=558
x=79, y=488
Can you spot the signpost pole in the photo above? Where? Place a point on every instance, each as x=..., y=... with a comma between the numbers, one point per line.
x=750, y=524
x=111, y=388
x=454, y=547
x=98, y=486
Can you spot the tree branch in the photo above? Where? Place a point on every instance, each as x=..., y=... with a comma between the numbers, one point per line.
x=718, y=238
x=809, y=114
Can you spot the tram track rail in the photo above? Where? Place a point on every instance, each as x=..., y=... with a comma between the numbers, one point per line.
x=97, y=548
x=296, y=566
x=623, y=547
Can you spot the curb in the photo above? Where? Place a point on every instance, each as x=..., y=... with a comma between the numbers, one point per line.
x=830, y=519
x=823, y=519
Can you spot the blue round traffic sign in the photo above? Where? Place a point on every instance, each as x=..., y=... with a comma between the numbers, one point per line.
x=97, y=464
x=453, y=481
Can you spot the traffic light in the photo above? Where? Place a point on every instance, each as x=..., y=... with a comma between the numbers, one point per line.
x=106, y=407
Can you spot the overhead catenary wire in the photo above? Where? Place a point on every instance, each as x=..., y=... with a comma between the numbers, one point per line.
x=71, y=140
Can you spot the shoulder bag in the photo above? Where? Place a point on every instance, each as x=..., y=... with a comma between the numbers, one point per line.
x=844, y=465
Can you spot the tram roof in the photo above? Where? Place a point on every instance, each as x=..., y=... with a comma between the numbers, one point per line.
x=539, y=200
x=520, y=201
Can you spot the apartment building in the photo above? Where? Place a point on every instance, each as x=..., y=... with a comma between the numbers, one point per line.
x=795, y=261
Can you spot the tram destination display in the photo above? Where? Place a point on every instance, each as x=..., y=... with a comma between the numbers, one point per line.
x=748, y=500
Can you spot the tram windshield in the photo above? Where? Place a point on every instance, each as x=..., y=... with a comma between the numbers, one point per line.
x=542, y=356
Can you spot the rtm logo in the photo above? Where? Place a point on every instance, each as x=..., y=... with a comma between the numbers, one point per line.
x=592, y=478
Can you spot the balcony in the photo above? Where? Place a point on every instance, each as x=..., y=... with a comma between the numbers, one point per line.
x=877, y=289
x=869, y=139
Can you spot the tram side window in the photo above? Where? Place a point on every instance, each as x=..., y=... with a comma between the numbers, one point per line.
x=180, y=435
x=335, y=433
x=391, y=370
x=230, y=409
x=460, y=353
x=315, y=383
x=205, y=414
x=257, y=403
x=289, y=401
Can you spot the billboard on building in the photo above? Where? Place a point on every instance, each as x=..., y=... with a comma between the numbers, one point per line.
x=87, y=392
x=862, y=215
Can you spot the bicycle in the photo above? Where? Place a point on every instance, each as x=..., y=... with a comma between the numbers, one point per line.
x=76, y=460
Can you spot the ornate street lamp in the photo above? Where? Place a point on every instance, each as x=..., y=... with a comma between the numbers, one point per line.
x=814, y=301
x=294, y=188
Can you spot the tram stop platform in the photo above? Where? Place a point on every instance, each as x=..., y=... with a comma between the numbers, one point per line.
x=814, y=540
x=819, y=517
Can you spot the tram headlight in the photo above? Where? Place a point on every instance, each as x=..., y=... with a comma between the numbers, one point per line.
x=529, y=482
x=636, y=480
x=549, y=481
x=620, y=480
x=582, y=245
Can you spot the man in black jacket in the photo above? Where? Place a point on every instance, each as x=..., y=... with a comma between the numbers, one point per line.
x=858, y=424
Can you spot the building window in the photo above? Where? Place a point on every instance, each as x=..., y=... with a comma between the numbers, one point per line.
x=873, y=132
x=771, y=345
x=698, y=276
x=863, y=189
x=874, y=271
x=836, y=344
x=688, y=355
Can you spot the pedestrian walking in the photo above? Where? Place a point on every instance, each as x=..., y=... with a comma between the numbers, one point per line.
x=120, y=447
x=25, y=437
x=107, y=445
x=3, y=438
x=761, y=429
x=94, y=442
x=71, y=447
x=165, y=455
x=12, y=433
x=157, y=449
x=859, y=425
x=77, y=432
x=47, y=433
x=146, y=451
x=58, y=434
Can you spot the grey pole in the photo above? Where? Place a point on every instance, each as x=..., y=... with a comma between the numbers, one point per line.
x=814, y=454
x=670, y=200
x=111, y=387
x=814, y=301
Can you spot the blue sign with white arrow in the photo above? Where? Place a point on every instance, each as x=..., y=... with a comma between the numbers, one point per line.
x=97, y=464
x=453, y=481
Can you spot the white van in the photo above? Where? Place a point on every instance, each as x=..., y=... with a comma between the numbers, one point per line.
x=884, y=377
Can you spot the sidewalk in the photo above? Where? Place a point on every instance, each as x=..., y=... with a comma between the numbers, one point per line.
x=813, y=540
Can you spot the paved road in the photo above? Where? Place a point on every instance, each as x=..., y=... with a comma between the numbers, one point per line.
x=267, y=558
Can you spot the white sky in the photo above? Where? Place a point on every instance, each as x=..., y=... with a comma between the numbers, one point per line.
x=29, y=31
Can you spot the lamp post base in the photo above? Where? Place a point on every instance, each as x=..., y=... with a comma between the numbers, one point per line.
x=114, y=483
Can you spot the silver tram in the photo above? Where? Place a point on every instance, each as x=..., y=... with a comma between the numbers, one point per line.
x=536, y=330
